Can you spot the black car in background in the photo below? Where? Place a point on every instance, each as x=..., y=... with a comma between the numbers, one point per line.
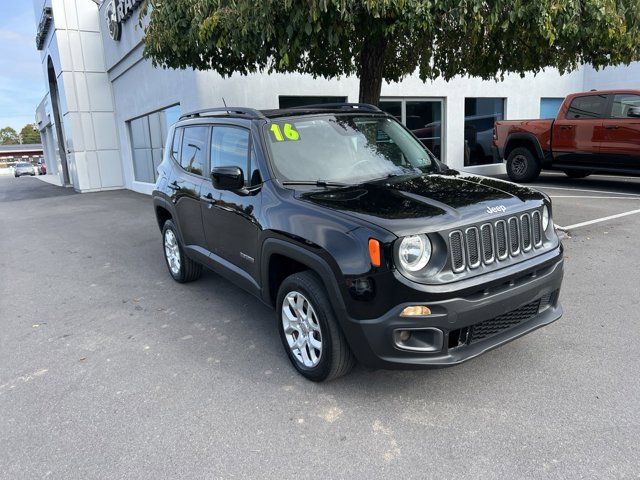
x=367, y=247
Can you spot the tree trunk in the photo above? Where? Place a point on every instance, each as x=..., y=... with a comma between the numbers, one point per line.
x=371, y=70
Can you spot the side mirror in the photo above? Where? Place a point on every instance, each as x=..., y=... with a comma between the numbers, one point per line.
x=227, y=178
x=633, y=112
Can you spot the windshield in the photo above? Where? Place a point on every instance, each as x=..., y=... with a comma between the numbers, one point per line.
x=24, y=165
x=344, y=149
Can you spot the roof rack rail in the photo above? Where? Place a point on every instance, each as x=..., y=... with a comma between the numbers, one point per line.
x=339, y=106
x=251, y=112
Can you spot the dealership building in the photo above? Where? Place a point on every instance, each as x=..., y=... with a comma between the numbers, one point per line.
x=107, y=109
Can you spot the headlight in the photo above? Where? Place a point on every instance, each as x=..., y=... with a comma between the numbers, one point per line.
x=546, y=218
x=414, y=252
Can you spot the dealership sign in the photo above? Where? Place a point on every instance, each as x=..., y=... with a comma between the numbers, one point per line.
x=117, y=12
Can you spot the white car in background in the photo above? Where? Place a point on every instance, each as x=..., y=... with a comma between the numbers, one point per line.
x=24, y=168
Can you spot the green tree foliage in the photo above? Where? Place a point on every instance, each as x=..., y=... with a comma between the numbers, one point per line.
x=381, y=40
x=8, y=136
x=30, y=134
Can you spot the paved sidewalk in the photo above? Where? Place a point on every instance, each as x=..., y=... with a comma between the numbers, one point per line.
x=109, y=369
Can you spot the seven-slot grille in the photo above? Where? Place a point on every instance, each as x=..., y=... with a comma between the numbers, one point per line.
x=497, y=240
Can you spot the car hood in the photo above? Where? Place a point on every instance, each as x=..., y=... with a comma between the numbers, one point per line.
x=428, y=202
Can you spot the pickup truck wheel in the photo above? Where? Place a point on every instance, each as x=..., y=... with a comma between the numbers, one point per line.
x=522, y=165
x=309, y=331
x=577, y=173
x=181, y=267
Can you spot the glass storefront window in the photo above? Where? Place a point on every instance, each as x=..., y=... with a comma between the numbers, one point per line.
x=148, y=135
x=392, y=108
x=480, y=115
x=422, y=116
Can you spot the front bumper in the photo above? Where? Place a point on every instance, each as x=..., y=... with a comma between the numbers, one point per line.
x=373, y=340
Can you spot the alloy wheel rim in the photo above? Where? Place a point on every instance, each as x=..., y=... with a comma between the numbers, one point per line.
x=172, y=251
x=302, y=329
x=519, y=165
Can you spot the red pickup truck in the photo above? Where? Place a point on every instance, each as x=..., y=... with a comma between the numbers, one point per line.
x=597, y=131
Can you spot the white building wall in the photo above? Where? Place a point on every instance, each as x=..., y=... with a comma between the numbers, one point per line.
x=624, y=76
x=86, y=102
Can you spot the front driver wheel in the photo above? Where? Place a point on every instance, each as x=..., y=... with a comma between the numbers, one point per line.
x=522, y=165
x=577, y=173
x=309, y=331
x=181, y=267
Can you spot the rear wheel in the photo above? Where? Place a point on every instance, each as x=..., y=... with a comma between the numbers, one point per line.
x=577, y=173
x=309, y=331
x=522, y=165
x=181, y=267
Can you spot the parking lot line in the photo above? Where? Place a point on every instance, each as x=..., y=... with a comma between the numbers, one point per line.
x=610, y=177
x=636, y=198
x=598, y=220
x=583, y=190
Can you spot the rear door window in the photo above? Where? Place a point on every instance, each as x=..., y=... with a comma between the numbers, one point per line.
x=175, y=145
x=194, y=149
x=589, y=106
x=623, y=103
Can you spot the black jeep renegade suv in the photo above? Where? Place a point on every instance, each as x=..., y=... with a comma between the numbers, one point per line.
x=367, y=247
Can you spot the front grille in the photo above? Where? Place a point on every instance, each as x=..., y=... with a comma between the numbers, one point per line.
x=473, y=247
x=537, y=229
x=457, y=251
x=513, y=236
x=525, y=222
x=486, y=233
x=501, y=239
x=488, y=328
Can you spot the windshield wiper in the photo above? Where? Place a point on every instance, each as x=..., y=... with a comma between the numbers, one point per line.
x=393, y=175
x=315, y=183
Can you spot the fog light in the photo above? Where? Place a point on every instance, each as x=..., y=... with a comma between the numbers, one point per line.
x=404, y=335
x=416, y=311
x=427, y=339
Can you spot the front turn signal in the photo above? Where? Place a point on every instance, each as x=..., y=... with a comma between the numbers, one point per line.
x=416, y=311
x=374, y=252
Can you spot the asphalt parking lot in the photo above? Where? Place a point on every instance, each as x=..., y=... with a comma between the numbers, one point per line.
x=109, y=369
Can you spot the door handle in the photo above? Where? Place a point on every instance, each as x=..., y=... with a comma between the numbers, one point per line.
x=174, y=186
x=566, y=127
x=611, y=127
x=208, y=198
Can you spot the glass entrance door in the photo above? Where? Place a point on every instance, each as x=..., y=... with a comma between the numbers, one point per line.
x=422, y=116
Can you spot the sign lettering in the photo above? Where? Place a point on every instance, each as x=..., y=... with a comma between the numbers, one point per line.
x=117, y=12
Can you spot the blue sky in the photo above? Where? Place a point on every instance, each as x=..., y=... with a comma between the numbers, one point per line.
x=21, y=78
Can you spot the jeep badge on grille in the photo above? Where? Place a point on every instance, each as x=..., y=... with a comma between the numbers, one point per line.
x=497, y=209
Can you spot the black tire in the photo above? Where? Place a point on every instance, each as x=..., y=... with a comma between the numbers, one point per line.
x=189, y=270
x=522, y=165
x=336, y=358
x=577, y=173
